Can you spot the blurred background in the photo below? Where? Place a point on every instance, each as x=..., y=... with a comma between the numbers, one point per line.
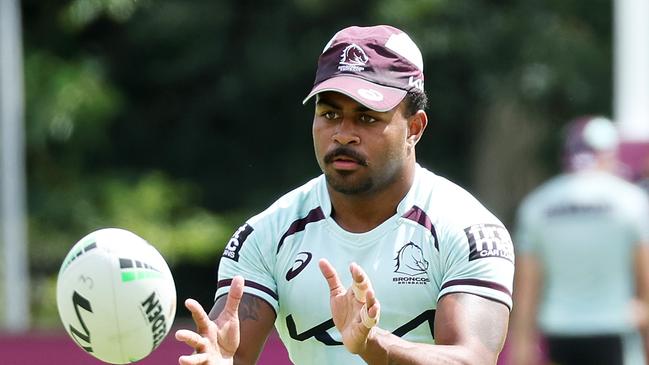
x=178, y=119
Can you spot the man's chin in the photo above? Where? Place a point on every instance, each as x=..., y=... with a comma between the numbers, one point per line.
x=345, y=185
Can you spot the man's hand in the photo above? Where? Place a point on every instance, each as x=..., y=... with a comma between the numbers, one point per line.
x=355, y=311
x=214, y=342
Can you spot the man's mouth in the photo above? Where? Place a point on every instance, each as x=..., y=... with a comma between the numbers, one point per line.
x=345, y=163
x=345, y=158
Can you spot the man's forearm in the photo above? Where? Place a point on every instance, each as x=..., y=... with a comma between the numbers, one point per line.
x=384, y=348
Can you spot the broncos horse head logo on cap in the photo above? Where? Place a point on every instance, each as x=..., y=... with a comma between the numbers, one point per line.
x=410, y=260
x=353, y=55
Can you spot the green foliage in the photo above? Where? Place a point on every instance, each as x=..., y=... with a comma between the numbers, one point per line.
x=160, y=210
x=80, y=13
x=67, y=100
x=151, y=205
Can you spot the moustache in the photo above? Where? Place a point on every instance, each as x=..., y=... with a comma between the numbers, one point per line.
x=347, y=152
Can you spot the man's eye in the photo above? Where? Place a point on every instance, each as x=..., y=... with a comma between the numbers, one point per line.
x=365, y=118
x=330, y=115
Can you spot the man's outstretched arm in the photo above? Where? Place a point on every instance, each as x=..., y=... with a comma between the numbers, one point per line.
x=469, y=329
x=256, y=320
x=214, y=342
x=233, y=333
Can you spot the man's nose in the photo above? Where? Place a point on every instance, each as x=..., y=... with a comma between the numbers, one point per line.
x=346, y=132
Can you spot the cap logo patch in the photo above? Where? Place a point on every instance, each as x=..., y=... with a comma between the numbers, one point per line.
x=353, y=58
x=418, y=83
x=370, y=94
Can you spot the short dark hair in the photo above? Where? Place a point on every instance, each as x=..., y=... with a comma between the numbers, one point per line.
x=415, y=100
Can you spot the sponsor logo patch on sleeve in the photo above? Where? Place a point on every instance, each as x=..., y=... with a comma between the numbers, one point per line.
x=236, y=242
x=489, y=240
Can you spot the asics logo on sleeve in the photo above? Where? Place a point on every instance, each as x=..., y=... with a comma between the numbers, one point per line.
x=301, y=260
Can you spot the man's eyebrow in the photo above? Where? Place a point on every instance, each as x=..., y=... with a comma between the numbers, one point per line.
x=328, y=103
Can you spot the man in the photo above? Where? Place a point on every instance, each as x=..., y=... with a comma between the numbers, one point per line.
x=425, y=258
x=582, y=257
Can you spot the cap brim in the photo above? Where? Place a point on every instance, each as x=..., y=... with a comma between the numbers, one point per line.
x=376, y=97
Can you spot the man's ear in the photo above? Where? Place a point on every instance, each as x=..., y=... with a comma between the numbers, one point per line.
x=416, y=125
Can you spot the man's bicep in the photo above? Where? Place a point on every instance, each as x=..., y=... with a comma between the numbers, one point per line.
x=256, y=319
x=471, y=321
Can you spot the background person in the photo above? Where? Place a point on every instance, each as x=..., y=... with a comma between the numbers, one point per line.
x=583, y=257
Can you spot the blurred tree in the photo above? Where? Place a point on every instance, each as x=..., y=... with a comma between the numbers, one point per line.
x=503, y=77
x=178, y=119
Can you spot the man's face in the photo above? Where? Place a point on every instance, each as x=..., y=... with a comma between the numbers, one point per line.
x=358, y=149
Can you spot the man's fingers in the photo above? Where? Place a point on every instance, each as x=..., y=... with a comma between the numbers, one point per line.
x=329, y=273
x=198, y=315
x=373, y=305
x=361, y=283
x=198, y=339
x=234, y=296
x=194, y=359
x=370, y=298
x=371, y=311
x=360, y=291
x=191, y=338
x=368, y=320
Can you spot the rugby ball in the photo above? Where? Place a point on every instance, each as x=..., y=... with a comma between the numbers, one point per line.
x=116, y=296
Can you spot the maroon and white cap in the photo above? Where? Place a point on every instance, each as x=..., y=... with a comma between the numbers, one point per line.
x=376, y=66
x=587, y=136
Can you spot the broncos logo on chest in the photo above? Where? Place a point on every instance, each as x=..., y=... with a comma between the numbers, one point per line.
x=410, y=260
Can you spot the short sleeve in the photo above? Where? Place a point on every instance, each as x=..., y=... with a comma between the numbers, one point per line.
x=478, y=259
x=244, y=255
